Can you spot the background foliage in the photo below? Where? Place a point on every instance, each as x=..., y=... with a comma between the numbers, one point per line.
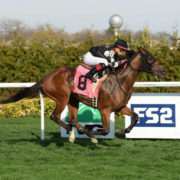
x=27, y=107
x=26, y=54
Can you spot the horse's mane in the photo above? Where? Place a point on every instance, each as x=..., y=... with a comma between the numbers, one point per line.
x=119, y=74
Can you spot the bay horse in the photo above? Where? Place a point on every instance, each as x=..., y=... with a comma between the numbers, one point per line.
x=114, y=93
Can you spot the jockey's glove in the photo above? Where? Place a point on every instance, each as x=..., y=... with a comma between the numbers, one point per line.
x=109, y=56
x=114, y=64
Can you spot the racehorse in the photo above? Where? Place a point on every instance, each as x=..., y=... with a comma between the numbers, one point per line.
x=113, y=96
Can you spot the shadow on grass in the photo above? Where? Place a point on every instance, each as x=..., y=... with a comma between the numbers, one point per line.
x=35, y=139
x=54, y=138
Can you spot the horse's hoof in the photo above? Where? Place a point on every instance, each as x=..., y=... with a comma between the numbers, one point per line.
x=94, y=140
x=120, y=134
x=127, y=130
x=72, y=136
x=69, y=128
x=80, y=131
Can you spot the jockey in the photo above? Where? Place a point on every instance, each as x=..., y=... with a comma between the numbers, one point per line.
x=103, y=56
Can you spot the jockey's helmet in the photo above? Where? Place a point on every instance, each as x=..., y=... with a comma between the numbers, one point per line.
x=121, y=44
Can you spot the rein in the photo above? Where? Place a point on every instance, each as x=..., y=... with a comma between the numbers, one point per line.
x=121, y=87
x=133, y=69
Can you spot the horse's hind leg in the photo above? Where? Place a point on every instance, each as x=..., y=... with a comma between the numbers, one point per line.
x=60, y=97
x=73, y=110
x=55, y=116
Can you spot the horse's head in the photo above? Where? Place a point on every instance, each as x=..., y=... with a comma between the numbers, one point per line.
x=149, y=64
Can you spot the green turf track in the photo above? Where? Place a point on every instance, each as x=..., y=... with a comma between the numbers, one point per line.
x=23, y=157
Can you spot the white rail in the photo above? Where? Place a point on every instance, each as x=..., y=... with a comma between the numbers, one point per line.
x=137, y=84
x=158, y=84
x=16, y=85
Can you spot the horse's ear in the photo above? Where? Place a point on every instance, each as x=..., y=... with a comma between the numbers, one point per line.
x=142, y=50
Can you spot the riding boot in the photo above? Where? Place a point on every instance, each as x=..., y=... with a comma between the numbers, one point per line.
x=91, y=73
x=98, y=68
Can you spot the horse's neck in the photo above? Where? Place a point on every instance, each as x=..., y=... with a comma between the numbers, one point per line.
x=128, y=78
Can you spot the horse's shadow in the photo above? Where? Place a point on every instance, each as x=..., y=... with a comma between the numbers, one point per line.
x=54, y=138
x=35, y=139
x=59, y=141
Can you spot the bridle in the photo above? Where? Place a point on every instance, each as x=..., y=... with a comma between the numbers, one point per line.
x=146, y=59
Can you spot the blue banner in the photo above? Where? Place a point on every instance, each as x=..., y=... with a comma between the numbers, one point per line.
x=155, y=115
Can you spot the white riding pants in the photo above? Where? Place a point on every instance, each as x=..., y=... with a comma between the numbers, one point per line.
x=89, y=59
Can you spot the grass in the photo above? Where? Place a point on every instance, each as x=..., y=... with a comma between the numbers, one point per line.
x=23, y=157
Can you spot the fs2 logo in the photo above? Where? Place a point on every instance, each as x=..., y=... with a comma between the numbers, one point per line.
x=155, y=115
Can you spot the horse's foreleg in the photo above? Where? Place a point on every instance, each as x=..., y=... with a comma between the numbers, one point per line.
x=105, y=114
x=134, y=118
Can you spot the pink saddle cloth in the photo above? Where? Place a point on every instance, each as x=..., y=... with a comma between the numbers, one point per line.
x=91, y=90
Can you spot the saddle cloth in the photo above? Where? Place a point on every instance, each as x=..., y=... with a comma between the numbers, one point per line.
x=91, y=90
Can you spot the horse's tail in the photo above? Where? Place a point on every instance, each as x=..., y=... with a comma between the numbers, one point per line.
x=24, y=93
